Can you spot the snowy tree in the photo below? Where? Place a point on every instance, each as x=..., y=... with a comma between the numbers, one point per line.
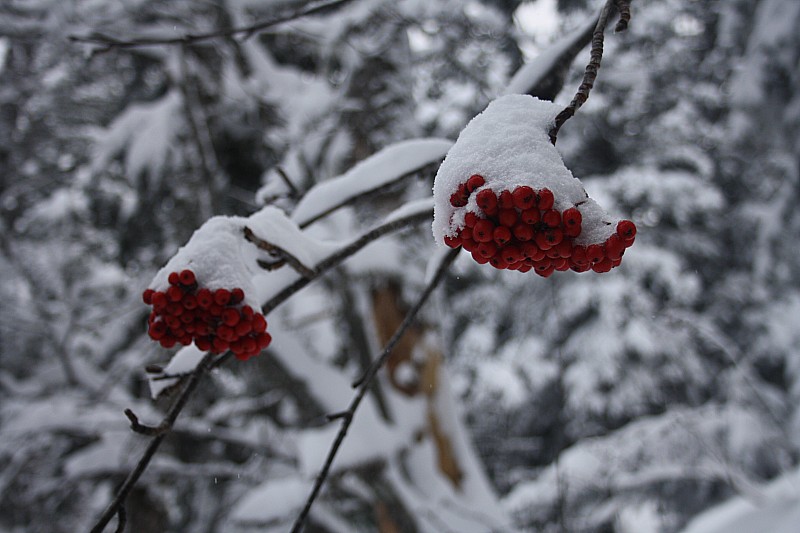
x=627, y=401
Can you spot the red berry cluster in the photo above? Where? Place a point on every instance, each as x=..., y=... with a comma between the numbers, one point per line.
x=214, y=320
x=521, y=230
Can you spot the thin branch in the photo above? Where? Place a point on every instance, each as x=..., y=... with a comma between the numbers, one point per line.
x=108, y=43
x=119, y=500
x=293, y=192
x=364, y=385
x=338, y=257
x=143, y=429
x=122, y=519
x=282, y=254
x=595, y=58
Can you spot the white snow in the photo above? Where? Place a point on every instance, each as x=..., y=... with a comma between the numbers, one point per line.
x=144, y=133
x=183, y=362
x=275, y=499
x=779, y=512
x=374, y=172
x=534, y=71
x=508, y=144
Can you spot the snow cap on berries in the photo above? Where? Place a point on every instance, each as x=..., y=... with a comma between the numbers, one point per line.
x=509, y=146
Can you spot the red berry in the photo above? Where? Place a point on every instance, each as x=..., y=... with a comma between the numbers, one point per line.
x=602, y=266
x=530, y=216
x=172, y=322
x=147, y=296
x=215, y=309
x=524, y=197
x=531, y=251
x=460, y=197
x=468, y=244
x=552, y=218
x=219, y=345
x=187, y=278
x=189, y=301
x=174, y=309
x=187, y=317
x=247, y=312
x=203, y=344
x=522, y=232
x=486, y=250
x=230, y=317
x=479, y=258
x=507, y=217
x=237, y=295
x=578, y=257
x=202, y=329
x=505, y=200
x=204, y=298
x=501, y=235
x=157, y=330
x=263, y=340
x=167, y=341
x=545, y=271
x=482, y=232
x=452, y=242
x=594, y=253
x=572, y=218
x=160, y=301
x=561, y=264
x=525, y=268
x=259, y=323
x=466, y=233
x=545, y=199
x=564, y=248
x=554, y=236
x=174, y=278
x=475, y=181
x=174, y=294
x=486, y=200
x=226, y=333
x=626, y=230
x=511, y=254
x=470, y=219
x=498, y=262
x=614, y=247
x=222, y=296
x=249, y=345
x=244, y=327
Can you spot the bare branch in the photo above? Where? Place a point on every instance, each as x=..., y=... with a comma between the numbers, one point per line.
x=338, y=257
x=119, y=500
x=107, y=42
x=363, y=385
x=596, y=56
x=138, y=427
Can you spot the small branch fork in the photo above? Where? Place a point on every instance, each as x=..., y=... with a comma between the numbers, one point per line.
x=596, y=56
x=283, y=257
x=107, y=43
x=363, y=384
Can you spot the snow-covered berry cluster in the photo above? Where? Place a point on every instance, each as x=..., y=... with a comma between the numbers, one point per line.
x=214, y=319
x=521, y=229
x=504, y=194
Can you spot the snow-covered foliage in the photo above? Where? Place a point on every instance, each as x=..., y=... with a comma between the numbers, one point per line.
x=660, y=397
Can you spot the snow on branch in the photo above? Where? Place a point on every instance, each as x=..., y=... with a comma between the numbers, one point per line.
x=385, y=167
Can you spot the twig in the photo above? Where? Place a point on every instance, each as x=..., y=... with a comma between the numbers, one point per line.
x=108, y=43
x=293, y=192
x=596, y=56
x=119, y=500
x=143, y=429
x=364, y=385
x=336, y=258
x=282, y=254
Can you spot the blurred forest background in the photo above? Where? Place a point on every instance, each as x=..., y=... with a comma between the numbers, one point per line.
x=626, y=402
